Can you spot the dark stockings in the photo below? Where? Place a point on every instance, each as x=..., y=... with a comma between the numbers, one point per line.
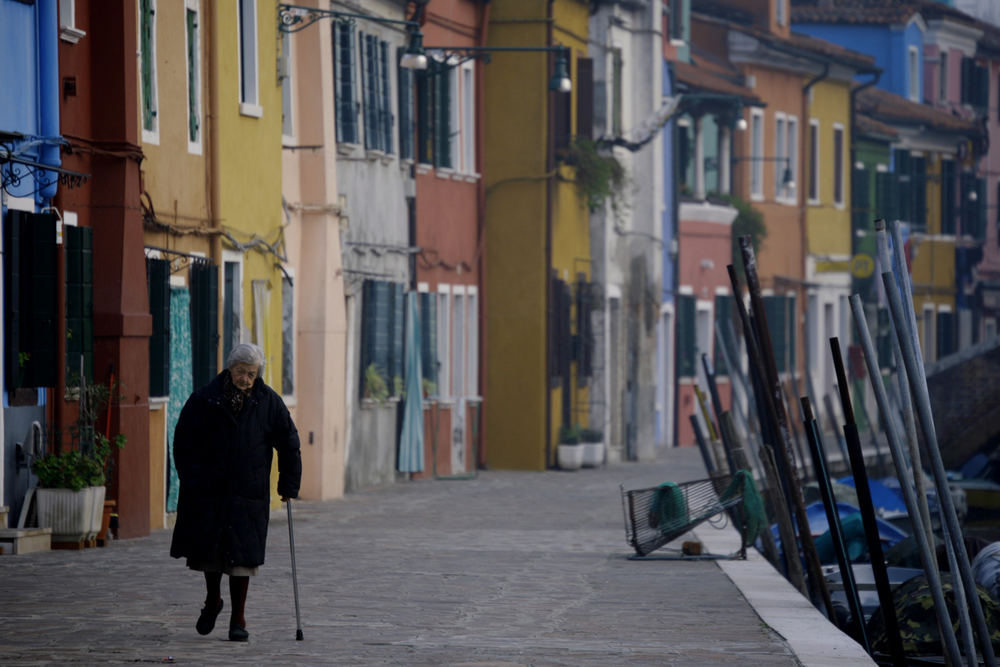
x=213, y=582
x=238, y=593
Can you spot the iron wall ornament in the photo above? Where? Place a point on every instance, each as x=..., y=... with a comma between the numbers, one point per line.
x=14, y=170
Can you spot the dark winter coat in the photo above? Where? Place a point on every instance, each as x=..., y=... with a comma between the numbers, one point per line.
x=224, y=466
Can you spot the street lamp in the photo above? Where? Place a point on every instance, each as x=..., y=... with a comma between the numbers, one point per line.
x=560, y=81
x=293, y=18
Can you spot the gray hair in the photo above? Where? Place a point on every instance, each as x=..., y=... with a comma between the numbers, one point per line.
x=247, y=353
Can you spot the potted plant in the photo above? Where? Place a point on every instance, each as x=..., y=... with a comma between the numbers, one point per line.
x=71, y=490
x=592, y=442
x=376, y=387
x=569, y=453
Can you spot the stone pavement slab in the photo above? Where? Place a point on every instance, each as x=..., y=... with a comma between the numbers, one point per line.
x=509, y=568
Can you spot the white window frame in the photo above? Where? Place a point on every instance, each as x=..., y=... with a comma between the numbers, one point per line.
x=444, y=340
x=814, y=155
x=756, y=153
x=792, y=145
x=780, y=150
x=458, y=351
x=289, y=274
x=913, y=74
x=149, y=136
x=782, y=12
x=194, y=147
x=472, y=341
x=250, y=105
x=68, y=32
x=287, y=83
x=839, y=194
x=232, y=257
x=468, y=85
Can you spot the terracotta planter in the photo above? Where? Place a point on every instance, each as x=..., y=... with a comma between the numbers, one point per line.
x=569, y=457
x=73, y=516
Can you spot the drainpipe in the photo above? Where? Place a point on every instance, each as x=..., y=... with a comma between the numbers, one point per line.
x=550, y=165
x=806, y=164
x=48, y=90
x=484, y=22
x=212, y=155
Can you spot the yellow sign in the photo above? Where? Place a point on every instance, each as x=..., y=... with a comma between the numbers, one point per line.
x=860, y=266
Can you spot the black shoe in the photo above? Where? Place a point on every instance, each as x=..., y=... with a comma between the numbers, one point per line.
x=237, y=633
x=206, y=622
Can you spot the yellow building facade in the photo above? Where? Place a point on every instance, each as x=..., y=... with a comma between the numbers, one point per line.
x=536, y=227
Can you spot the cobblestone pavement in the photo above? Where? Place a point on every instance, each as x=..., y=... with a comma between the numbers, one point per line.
x=510, y=568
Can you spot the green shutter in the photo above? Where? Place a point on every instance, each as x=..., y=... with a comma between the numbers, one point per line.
x=918, y=185
x=687, y=351
x=886, y=196
x=405, y=77
x=442, y=116
x=79, y=300
x=774, y=310
x=204, y=322
x=947, y=197
x=980, y=209
x=723, y=317
x=385, y=101
x=425, y=106
x=344, y=73
x=397, y=362
x=158, y=282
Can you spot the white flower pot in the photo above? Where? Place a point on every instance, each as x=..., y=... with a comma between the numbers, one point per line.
x=593, y=454
x=570, y=457
x=73, y=516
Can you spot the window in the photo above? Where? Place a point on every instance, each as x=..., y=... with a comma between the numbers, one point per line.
x=676, y=19
x=232, y=302
x=193, y=41
x=247, y=25
x=158, y=285
x=814, y=161
x=616, y=92
x=943, y=77
x=29, y=262
x=946, y=340
x=406, y=106
x=434, y=115
x=584, y=345
x=472, y=341
x=756, y=154
x=781, y=11
x=468, y=119
x=780, y=154
x=428, y=337
x=913, y=70
x=704, y=326
x=947, y=197
x=780, y=312
x=68, y=31
x=687, y=351
x=724, y=313
x=345, y=90
x=147, y=70
x=455, y=120
x=443, y=339
x=838, y=165
x=285, y=79
x=975, y=83
x=377, y=112
x=204, y=288
x=792, y=187
x=79, y=300
x=458, y=323
x=382, y=332
x=287, y=335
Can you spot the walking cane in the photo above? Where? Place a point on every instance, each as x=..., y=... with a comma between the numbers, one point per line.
x=295, y=580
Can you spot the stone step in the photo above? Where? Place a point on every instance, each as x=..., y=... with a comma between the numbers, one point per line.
x=25, y=540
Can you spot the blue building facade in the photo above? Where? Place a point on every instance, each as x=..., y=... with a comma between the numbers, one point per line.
x=29, y=141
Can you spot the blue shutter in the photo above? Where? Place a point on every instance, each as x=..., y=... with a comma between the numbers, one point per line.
x=204, y=322
x=344, y=73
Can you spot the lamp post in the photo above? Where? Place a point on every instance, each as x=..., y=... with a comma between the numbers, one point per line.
x=455, y=55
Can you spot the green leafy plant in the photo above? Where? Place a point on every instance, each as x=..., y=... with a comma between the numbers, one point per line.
x=375, y=385
x=429, y=387
x=749, y=222
x=591, y=435
x=569, y=435
x=599, y=176
x=90, y=462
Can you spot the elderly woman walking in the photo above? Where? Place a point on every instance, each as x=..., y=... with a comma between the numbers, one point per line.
x=222, y=451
